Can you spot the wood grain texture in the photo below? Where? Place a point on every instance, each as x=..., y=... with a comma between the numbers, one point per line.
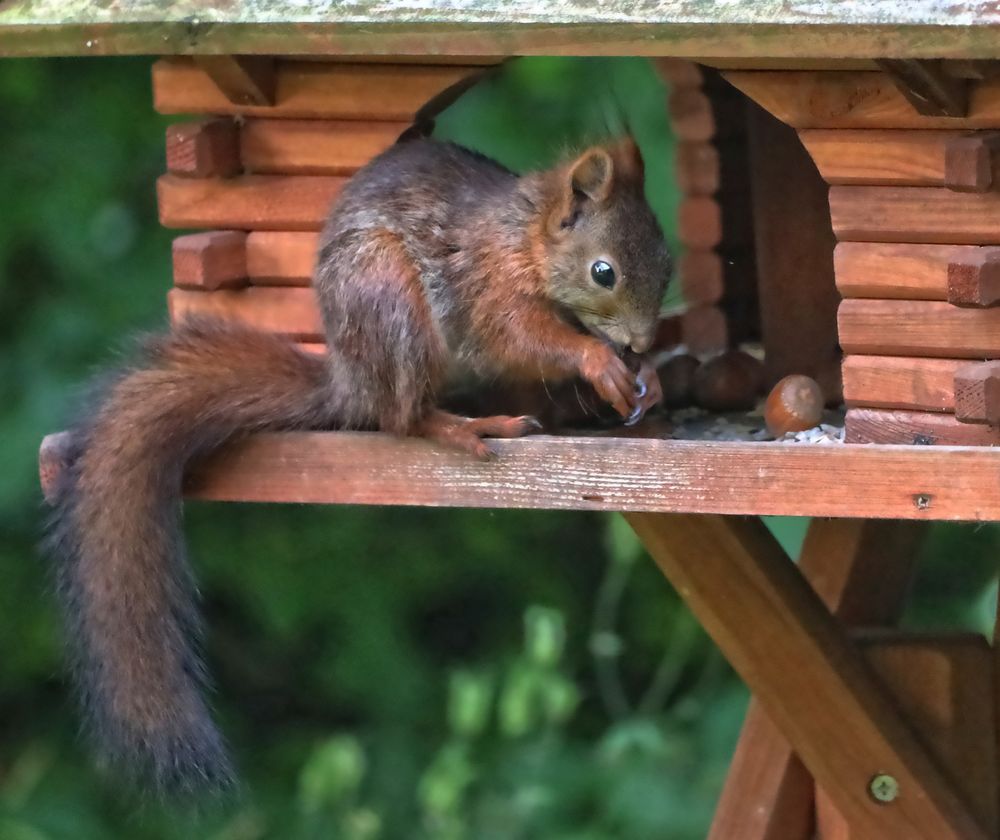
x=900, y=382
x=204, y=149
x=943, y=687
x=612, y=474
x=744, y=28
x=915, y=214
x=281, y=258
x=922, y=428
x=861, y=570
x=213, y=260
x=905, y=272
x=309, y=90
x=794, y=252
x=249, y=202
x=796, y=659
x=887, y=157
x=855, y=100
x=918, y=328
x=290, y=312
x=768, y=794
x=242, y=79
x=972, y=162
x=977, y=393
x=974, y=278
x=927, y=86
x=314, y=147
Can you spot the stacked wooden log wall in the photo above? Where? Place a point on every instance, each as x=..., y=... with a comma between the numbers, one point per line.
x=916, y=212
x=260, y=178
x=716, y=268
x=260, y=168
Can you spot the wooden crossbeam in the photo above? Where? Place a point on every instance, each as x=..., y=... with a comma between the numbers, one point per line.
x=309, y=90
x=922, y=428
x=242, y=79
x=314, y=147
x=903, y=271
x=777, y=634
x=832, y=99
x=281, y=258
x=249, y=202
x=927, y=87
x=901, y=382
x=289, y=312
x=861, y=571
x=902, y=214
x=943, y=686
x=611, y=473
x=918, y=328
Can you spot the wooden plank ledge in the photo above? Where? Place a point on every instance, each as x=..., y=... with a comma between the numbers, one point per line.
x=612, y=474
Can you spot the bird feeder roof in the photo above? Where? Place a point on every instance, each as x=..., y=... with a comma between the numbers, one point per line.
x=686, y=28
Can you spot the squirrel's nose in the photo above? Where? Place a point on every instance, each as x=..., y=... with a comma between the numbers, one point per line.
x=641, y=342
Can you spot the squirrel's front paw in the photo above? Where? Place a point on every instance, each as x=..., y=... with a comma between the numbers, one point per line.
x=611, y=378
x=648, y=390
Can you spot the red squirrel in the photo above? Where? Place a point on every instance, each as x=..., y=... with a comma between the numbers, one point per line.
x=436, y=264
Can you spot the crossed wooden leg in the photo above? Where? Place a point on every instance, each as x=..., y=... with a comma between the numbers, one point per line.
x=816, y=685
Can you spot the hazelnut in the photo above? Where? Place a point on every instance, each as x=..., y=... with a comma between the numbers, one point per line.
x=794, y=404
x=677, y=380
x=729, y=382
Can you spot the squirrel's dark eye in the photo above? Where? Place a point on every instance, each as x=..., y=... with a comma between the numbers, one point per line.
x=602, y=274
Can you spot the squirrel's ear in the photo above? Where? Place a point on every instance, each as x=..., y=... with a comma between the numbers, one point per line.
x=592, y=174
x=628, y=160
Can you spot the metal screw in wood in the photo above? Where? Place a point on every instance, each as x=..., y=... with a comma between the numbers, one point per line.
x=883, y=788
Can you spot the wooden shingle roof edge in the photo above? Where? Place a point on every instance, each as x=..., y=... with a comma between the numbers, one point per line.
x=684, y=28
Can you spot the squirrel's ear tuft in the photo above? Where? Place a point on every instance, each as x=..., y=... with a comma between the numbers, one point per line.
x=592, y=174
x=628, y=160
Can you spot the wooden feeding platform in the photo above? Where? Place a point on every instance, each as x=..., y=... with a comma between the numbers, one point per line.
x=841, y=179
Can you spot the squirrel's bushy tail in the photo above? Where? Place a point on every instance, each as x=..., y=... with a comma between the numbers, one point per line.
x=115, y=537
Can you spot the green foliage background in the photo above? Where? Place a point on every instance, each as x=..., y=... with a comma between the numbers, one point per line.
x=381, y=673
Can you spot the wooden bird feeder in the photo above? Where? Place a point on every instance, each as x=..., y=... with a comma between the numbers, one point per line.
x=842, y=201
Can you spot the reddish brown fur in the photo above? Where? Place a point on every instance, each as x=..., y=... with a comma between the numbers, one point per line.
x=436, y=266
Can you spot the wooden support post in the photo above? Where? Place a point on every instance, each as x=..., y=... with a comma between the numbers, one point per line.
x=977, y=393
x=816, y=687
x=861, y=570
x=794, y=248
x=243, y=79
x=927, y=87
x=943, y=686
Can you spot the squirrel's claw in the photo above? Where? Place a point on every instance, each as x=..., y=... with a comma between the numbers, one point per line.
x=636, y=414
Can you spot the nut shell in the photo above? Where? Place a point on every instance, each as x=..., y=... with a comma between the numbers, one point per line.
x=677, y=380
x=729, y=382
x=794, y=405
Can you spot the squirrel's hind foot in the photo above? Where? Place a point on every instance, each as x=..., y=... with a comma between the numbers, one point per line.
x=467, y=433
